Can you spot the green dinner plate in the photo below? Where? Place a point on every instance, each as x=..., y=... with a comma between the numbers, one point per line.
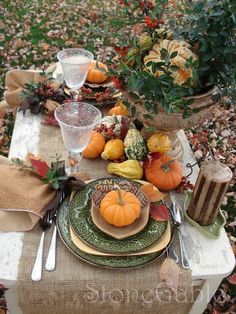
x=104, y=261
x=81, y=222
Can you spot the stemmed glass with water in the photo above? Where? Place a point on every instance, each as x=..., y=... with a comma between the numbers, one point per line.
x=76, y=119
x=75, y=65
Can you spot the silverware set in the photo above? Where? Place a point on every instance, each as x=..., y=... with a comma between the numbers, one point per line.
x=50, y=265
x=177, y=215
x=45, y=223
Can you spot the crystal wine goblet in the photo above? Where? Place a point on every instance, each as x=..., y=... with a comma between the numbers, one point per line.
x=77, y=121
x=75, y=65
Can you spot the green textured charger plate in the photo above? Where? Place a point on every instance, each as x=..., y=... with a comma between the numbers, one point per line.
x=82, y=224
x=211, y=231
x=104, y=261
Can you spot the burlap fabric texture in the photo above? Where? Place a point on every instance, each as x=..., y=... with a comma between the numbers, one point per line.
x=15, y=83
x=76, y=287
x=23, y=196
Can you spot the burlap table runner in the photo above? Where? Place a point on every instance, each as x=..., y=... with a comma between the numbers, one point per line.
x=77, y=287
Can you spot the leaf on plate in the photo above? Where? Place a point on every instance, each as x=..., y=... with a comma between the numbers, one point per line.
x=159, y=212
x=40, y=166
x=152, y=192
x=170, y=272
x=147, y=162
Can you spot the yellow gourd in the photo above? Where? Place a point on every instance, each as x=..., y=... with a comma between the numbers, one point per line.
x=159, y=142
x=114, y=149
x=129, y=169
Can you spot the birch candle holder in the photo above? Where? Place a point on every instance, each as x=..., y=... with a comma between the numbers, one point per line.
x=209, y=192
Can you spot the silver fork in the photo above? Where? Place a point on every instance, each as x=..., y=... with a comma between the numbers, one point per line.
x=44, y=223
x=176, y=211
x=51, y=259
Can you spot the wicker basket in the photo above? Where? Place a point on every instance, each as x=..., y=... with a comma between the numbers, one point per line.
x=175, y=121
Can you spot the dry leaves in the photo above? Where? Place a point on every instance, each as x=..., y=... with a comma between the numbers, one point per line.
x=169, y=272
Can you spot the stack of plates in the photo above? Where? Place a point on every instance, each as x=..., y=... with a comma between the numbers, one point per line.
x=81, y=232
x=101, y=88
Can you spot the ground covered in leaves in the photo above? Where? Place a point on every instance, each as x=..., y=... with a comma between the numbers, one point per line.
x=31, y=34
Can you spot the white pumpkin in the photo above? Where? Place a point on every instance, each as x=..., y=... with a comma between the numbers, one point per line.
x=184, y=53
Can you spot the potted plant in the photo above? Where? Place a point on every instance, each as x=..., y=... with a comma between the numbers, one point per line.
x=172, y=73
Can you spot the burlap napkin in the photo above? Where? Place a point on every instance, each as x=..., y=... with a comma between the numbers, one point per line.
x=22, y=197
x=15, y=83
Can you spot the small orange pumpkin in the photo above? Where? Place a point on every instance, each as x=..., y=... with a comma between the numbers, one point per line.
x=119, y=109
x=95, y=146
x=95, y=75
x=165, y=173
x=120, y=208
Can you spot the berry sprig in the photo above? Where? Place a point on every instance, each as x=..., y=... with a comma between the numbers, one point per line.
x=44, y=90
x=107, y=131
x=185, y=185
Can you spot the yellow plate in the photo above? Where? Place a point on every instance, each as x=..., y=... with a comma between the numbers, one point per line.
x=156, y=247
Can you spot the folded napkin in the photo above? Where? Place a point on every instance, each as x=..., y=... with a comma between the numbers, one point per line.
x=23, y=197
x=15, y=82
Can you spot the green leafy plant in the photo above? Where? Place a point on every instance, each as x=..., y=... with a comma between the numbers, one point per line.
x=208, y=26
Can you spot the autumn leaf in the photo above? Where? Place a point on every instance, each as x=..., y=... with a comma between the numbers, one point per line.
x=147, y=162
x=40, y=166
x=159, y=212
x=45, y=46
x=152, y=192
x=31, y=156
x=170, y=272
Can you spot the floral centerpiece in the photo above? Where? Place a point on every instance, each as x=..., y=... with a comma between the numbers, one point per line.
x=171, y=71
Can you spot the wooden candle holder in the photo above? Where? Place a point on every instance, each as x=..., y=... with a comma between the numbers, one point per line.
x=209, y=192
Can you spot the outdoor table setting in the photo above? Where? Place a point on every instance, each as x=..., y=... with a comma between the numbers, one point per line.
x=102, y=204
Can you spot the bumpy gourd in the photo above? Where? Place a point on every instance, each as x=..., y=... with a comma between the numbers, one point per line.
x=95, y=75
x=120, y=208
x=135, y=145
x=159, y=142
x=114, y=149
x=129, y=169
x=165, y=173
x=95, y=146
x=184, y=73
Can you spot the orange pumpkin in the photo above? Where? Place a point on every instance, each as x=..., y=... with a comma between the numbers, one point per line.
x=120, y=208
x=119, y=109
x=95, y=146
x=165, y=173
x=95, y=75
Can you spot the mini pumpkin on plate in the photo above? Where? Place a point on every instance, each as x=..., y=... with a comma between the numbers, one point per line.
x=120, y=208
x=95, y=74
